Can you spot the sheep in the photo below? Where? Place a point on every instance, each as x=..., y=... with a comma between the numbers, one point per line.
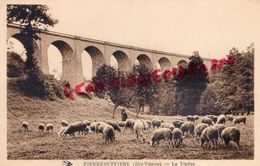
x=138, y=130
x=49, y=127
x=75, y=127
x=64, y=123
x=207, y=121
x=221, y=119
x=145, y=124
x=231, y=134
x=214, y=118
x=121, y=123
x=177, y=136
x=41, y=127
x=108, y=134
x=162, y=134
x=229, y=118
x=220, y=128
x=190, y=118
x=209, y=134
x=240, y=119
x=129, y=123
x=100, y=126
x=149, y=122
x=187, y=127
x=114, y=125
x=25, y=126
x=61, y=131
x=167, y=125
x=157, y=122
x=196, y=117
x=177, y=123
x=87, y=122
x=199, y=128
x=93, y=126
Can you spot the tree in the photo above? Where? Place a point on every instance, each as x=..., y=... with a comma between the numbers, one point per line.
x=120, y=91
x=145, y=87
x=104, y=77
x=191, y=81
x=233, y=86
x=33, y=19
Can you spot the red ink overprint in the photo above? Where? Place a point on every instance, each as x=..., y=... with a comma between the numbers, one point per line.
x=155, y=76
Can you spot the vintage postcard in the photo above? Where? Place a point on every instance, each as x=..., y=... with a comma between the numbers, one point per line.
x=129, y=83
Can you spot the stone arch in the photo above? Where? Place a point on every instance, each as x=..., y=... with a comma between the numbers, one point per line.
x=164, y=63
x=24, y=40
x=123, y=60
x=96, y=56
x=66, y=54
x=144, y=60
x=182, y=63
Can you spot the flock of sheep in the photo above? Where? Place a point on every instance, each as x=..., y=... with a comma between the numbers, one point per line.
x=208, y=132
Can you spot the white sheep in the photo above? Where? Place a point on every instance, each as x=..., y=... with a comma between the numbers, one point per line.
x=64, y=123
x=199, y=128
x=93, y=126
x=221, y=119
x=167, y=125
x=240, y=119
x=220, y=128
x=87, y=122
x=177, y=136
x=25, y=126
x=138, y=130
x=162, y=134
x=49, y=127
x=231, y=134
x=41, y=127
x=149, y=122
x=209, y=134
x=145, y=124
x=157, y=122
x=188, y=128
x=207, y=121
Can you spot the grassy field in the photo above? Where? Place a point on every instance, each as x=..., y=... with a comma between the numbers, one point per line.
x=34, y=145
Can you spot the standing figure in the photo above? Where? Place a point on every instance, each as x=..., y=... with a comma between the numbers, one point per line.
x=124, y=115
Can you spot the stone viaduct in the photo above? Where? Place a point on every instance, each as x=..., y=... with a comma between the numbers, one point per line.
x=71, y=48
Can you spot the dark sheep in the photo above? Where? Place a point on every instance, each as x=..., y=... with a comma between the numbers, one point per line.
x=49, y=127
x=114, y=125
x=240, y=119
x=177, y=123
x=41, y=127
x=231, y=134
x=25, y=126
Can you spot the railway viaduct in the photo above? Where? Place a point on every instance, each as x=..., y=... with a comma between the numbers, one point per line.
x=71, y=48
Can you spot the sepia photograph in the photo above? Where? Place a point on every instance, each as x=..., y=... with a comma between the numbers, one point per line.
x=130, y=80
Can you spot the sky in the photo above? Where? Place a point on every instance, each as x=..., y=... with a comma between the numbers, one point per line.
x=211, y=27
